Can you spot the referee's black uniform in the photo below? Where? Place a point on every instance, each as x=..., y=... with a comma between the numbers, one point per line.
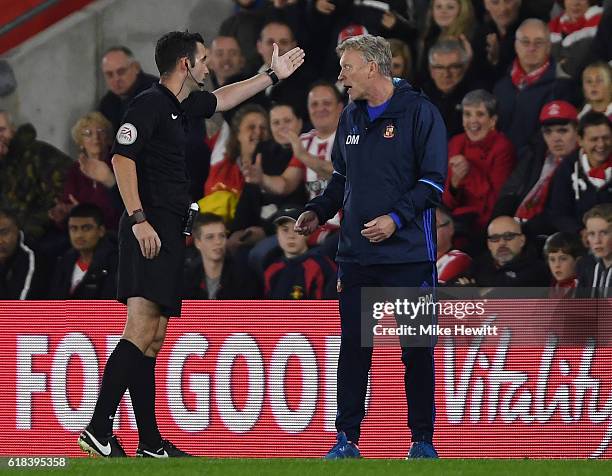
x=153, y=134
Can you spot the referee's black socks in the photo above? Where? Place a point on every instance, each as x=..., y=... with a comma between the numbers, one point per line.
x=121, y=366
x=142, y=392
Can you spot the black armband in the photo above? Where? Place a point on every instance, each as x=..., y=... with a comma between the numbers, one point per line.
x=137, y=216
x=270, y=72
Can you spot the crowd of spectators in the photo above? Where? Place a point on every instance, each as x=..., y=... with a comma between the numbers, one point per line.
x=525, y=90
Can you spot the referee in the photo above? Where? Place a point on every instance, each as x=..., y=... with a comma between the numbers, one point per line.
x=149, y=165
x=390, y=163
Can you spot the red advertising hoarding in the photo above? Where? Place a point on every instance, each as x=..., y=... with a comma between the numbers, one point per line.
x=258, y=379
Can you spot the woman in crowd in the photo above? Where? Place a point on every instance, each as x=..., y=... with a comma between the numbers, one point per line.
x=480, y=161
x=91, y=179
x=225, y=181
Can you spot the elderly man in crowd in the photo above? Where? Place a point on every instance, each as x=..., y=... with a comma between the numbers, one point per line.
x=530, y=84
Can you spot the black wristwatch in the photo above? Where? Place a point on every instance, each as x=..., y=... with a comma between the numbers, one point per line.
x=270, y=72
x=137, y=216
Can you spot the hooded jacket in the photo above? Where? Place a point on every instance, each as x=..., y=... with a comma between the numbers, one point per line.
x=23, y=275
x=396, y=163
x=572, y=194
x=594, y=279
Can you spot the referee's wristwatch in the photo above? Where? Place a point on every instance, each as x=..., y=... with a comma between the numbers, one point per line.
x=137, y=216
x=270, y=72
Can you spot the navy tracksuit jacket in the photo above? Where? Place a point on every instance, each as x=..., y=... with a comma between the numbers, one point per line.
x=397, y=163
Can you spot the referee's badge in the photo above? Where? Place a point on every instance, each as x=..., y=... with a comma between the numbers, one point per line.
x=127, y=134
x=389, y=131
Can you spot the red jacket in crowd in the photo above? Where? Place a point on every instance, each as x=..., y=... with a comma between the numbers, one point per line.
x=491, y=162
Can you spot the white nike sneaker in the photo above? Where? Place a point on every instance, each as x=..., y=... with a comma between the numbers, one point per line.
x=106, y=447
x=167, y=450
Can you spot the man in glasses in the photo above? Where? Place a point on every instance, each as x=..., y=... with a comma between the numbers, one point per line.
x=124, y=79
x=529, y=85
x=448, y=67
x=509, y=262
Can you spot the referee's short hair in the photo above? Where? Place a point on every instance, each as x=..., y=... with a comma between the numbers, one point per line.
x=173, y=46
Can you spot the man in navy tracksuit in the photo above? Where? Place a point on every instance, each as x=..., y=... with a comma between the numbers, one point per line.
x=390, y=163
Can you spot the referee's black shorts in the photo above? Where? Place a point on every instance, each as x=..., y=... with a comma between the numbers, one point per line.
x=159, y=279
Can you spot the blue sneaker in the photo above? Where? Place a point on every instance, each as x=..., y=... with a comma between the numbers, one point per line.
x=422, y=449
x=343, y=449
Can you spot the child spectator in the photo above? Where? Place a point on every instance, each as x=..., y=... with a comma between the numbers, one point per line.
x=562, y=251
x=212, y=273
x=597, y=89
x=298, y=274
x=595, y=270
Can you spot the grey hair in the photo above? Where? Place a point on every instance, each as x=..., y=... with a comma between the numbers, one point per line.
x=120, y=49
x=373, y=48
x=9, y=117
x=448, y=46
x=481, y=96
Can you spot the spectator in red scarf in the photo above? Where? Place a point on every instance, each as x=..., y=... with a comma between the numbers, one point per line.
x=562, y=252
x=584, y=179
x=531, y=83
x=572, y=33
x=480, y=161
x=526, y=192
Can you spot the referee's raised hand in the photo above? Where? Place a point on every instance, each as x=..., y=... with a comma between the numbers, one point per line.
x=285, y=65
x=147, y=237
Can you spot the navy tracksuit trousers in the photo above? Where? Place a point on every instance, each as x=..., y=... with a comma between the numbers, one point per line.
x=355, y=360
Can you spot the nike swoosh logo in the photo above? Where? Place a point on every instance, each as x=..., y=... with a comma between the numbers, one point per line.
x=156, y=455
x=174, y=116
x=105, y=450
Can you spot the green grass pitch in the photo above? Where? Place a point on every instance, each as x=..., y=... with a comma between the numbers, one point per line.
x=308, y=467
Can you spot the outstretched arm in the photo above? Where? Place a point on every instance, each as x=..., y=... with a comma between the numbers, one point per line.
x=231, y=95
